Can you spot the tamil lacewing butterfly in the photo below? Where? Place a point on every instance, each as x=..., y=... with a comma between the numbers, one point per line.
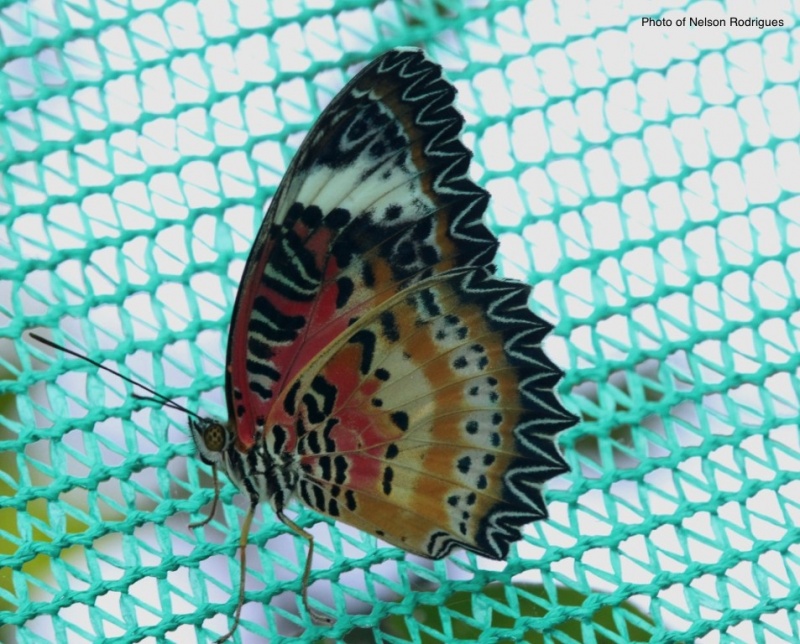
x=377, y=368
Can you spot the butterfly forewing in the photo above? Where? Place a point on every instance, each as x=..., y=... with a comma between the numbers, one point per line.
x=376, y=198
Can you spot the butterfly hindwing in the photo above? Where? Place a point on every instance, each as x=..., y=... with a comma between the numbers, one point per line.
x=431, y=421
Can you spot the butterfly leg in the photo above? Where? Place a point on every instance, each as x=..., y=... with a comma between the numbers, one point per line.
x=200, y=524
x=316, y=616
x=248, y=520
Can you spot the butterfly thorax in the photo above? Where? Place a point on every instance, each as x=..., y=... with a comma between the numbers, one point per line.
x=260, y=474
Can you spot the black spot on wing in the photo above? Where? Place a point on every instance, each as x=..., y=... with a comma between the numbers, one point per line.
x=290, y=402
x=258, y=389
x=388, y=475
x=340, y=465
x=304, y=493
x=325, y=467
x=366, y=339
x=279, y=438
x=393, y=211
x=368, y=275
x=400, y=419
x=312, y=441
x=333, y=507
x=272, y=325
x=262, y=369
x=292, y=270
x=320, y=406
x=389, y=326
x=344, y=290
x=311, y=216
x=428, y=302
x=319, y=498
x=338, y=218
x=330, y=444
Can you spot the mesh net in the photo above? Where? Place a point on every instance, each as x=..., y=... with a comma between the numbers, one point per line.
x=646, y=181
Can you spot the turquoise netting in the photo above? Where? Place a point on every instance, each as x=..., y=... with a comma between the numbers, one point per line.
x=646, y=181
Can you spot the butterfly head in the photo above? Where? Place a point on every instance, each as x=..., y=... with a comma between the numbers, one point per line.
x=211, y=437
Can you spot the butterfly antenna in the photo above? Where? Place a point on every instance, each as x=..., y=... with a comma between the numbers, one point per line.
x=155, y=395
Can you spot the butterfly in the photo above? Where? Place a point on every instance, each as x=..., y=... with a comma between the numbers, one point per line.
x=377, y=368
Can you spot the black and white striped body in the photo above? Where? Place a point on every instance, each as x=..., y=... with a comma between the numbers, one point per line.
x=259, y=473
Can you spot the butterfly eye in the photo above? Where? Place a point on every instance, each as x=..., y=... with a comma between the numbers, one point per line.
x=214, y=437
